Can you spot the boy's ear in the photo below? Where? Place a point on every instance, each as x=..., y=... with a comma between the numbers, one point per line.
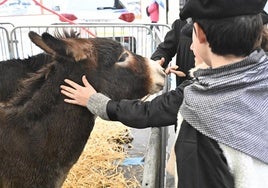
x=201, y=36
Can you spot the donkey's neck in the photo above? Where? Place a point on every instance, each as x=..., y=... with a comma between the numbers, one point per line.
x=56, y=131
x=41, y=93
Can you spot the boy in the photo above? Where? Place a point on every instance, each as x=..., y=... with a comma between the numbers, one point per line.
x=222, y=141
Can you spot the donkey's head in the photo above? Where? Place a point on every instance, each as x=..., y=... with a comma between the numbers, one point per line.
x=109, y=67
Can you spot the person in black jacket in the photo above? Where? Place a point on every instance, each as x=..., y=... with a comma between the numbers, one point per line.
x=222, y=141
x=176, y=43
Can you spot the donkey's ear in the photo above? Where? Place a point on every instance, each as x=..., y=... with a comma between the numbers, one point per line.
x=37, y=40
x=59, y=45
x=75, y=48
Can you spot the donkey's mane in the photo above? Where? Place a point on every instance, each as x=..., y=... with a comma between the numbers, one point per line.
x=34, y=80
x=31, y=84
x=34, y=61
x=66, y=34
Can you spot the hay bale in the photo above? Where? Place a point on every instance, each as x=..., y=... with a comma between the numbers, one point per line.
x=97, y=166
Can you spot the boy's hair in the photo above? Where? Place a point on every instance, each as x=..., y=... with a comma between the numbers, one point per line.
x=237, y=36
x=264, y=42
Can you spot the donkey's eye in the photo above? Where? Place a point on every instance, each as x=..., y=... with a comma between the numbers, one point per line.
x=123, y=57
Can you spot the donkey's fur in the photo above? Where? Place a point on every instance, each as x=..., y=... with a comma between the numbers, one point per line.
x=41, y=137
x=13, y=70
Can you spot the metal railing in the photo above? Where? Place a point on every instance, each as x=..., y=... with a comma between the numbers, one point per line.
x=5, y=49
x=154, y=173
x=137, y=38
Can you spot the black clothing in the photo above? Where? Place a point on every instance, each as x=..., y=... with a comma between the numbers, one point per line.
x=141, y=115
x=200, y=161
x=220, y=9
x=174, y=43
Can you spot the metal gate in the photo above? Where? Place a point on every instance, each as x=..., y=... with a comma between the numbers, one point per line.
x=137, y=38
x=5, y=50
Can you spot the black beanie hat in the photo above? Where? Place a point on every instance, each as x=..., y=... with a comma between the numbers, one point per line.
x=187, y=29
x=217, y=9
x=264, y=17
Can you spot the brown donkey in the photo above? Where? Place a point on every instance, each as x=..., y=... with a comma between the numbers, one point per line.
x=42, y=137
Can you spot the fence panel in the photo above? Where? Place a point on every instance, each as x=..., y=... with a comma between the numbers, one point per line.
x=5, y=52
x=7, y=25
x=137, y=38
x=154, y=173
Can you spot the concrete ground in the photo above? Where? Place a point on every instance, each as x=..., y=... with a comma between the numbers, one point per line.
x=133, y=166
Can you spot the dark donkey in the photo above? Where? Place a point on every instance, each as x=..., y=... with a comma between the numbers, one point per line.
x=13, y=70
x=41, y=137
